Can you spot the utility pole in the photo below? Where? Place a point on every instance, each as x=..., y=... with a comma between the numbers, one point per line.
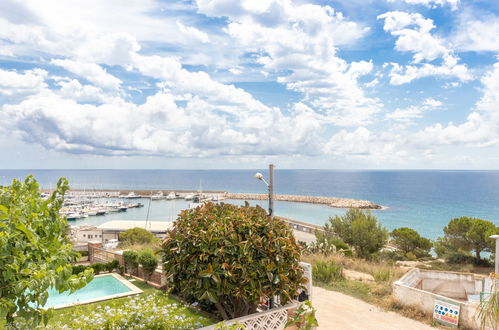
x=271, y=191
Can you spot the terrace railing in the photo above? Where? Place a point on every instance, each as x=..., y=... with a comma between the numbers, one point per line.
x=274, y=319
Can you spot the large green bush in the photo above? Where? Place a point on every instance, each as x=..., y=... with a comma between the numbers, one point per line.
x=232, y=256
x=149, y=262
x=35, y=254
x=361, y=230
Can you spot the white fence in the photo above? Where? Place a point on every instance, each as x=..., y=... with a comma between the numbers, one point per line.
x=274, y=319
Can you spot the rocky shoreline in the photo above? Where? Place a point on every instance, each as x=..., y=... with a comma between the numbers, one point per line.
x=346, y=203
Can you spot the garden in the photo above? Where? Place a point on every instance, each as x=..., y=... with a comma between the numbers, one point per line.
x=228, y=261
x=153, y=309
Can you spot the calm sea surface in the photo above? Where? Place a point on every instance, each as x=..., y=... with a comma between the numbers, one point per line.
x=423, y=200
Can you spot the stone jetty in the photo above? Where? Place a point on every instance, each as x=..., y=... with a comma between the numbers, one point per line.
x=346, y=203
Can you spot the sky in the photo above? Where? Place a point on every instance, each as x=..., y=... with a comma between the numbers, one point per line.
x=346, y=84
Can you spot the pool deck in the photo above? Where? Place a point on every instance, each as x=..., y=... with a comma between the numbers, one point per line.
x=133, y=291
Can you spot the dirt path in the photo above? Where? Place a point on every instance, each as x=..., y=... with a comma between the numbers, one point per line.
x=338, y=311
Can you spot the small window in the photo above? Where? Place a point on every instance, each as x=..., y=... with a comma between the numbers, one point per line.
x=84, y=235
x=90, y=236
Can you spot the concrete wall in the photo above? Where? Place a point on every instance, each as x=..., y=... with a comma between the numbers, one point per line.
x=406, y=294
x=431, y=279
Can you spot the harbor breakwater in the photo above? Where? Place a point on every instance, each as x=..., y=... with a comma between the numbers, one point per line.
x=331, y=201
x=335, y=202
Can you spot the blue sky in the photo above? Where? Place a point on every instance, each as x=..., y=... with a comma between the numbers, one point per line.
x=350, y=84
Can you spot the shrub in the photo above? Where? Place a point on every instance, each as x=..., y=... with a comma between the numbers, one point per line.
x=232, y=256
x=79, y=269
x=326, y=272
x=111, y=266
x=97, y=267
x=137, y=235
x=131, y=259
x=149, y=263
x=361, y=230
x=83, y=253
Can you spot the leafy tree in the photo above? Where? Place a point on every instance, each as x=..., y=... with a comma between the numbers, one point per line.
x=409, y=241
x=35, y=254
x=361, y=230
x=137, y=235
x=232, y=256
x=131, y=259
x=149, y=262
x=468, y=234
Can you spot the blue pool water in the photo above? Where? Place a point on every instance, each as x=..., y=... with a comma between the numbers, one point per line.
x=101, y=286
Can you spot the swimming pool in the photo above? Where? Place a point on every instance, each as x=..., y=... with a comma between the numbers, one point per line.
x=102, y=287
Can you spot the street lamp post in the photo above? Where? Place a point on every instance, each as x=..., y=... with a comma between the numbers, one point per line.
x=270, y=186
x=496, y=237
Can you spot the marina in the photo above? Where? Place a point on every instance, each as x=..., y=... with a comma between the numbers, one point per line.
x=82, y=204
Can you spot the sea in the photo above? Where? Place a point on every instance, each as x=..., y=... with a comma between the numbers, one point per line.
x=423, y=200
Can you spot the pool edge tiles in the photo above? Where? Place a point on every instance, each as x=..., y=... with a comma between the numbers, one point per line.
x=133, y=291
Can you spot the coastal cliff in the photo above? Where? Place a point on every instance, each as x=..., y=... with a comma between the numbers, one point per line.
x=331, y=201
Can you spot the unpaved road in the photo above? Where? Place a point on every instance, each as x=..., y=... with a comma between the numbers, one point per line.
x=338, y=311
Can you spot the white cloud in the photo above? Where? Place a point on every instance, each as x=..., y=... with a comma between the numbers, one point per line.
x=90, y=71
x=481, y=127
x=425, y=46
x=431, y=3
x=297, y=43
x=13, y=83
x=414, y=112
x=478, y=32
x=192, y=32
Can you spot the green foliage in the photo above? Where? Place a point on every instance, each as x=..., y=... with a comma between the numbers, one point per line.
x=137, y=235
x=83, y=253
x=303, y=317
x=97, y=267
x=35, y=255
x=326, y=272
x=131, y=259
x=232, y=256
x=327, y=242
x=149, y=262
x=488, y=311
x=466, y=234
x=361, y=230
x=409, y=241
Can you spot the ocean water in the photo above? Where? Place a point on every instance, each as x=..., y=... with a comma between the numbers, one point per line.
x=422, y=200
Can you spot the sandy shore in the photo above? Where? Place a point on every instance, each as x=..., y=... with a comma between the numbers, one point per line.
x=346, y=203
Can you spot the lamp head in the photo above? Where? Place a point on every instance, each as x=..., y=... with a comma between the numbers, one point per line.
x=494, y=236
x=259, y=176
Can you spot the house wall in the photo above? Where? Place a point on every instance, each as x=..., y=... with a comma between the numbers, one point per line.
x=89, y=235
